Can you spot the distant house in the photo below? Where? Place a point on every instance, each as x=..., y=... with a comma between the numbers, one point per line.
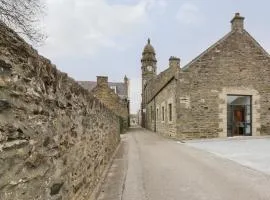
x=120, y=88
x=113, y=94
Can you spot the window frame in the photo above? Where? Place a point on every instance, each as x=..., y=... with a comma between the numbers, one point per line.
x=170, y=117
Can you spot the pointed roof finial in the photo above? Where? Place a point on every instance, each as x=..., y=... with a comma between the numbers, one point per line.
x=148, y=49
x=125, y=78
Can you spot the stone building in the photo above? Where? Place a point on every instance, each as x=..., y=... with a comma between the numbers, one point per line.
x=225, y=91
x=120, y=88
x=113, y=94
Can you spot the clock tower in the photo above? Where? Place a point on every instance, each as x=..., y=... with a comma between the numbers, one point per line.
x=149, y=62
x=149, y=71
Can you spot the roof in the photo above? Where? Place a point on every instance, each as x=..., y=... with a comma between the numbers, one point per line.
x=148, y=47
x=88, y=85
x=221, y=41
x=121, y=90
x=149, y=52
x=160, y=81
x=206, y=51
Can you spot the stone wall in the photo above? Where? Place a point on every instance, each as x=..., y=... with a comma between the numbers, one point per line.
x=236, y=65
x=55, y=138
x=106, y=95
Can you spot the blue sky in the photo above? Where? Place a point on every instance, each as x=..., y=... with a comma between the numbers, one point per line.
x=87, y=38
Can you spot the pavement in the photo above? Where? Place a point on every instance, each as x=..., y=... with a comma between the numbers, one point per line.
x=150, y=167
x=253, y=152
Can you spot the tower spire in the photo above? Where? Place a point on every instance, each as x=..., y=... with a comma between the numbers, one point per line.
x=148, y=41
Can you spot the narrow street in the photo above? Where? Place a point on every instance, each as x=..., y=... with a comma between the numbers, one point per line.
x=149, y=167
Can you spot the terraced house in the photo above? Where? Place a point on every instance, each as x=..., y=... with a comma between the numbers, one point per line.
x=223, y=92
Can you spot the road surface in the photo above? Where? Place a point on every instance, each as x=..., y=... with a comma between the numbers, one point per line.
x=150, y=167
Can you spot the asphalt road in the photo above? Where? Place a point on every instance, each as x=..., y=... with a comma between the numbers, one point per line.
x=149, y=167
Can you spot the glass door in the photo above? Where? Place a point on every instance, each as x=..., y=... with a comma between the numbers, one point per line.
x=239, y=115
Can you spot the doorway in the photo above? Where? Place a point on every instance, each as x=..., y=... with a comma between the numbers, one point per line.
x=239, y=115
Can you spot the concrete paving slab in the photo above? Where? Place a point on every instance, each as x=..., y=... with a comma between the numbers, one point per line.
x=250, y=152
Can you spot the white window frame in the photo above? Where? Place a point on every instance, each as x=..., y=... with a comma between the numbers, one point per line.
x=113, y=87
x=163, y=112
x=157, y=113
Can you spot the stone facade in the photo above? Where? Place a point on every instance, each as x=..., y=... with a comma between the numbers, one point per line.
x=108, y=97
x=235, y=65
x=55, y=137
x=105, y=91
x=120, y=88
x=163, y=103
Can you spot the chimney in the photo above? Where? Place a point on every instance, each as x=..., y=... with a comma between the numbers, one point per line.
x=102, y=81
x=174, y=62
x=237, y=23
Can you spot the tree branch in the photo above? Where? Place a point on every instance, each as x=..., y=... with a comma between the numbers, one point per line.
x=23, y=16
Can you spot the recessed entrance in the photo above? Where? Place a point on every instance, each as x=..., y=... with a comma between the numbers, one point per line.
x=239, y=115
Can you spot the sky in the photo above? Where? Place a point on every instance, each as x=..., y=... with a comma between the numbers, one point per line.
x=88, y=38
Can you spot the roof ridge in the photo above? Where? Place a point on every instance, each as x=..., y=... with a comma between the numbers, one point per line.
x=221, y=40
x=207, y=50
x=257, y=43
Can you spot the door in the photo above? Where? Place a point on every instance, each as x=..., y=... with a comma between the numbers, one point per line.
x=238, y=115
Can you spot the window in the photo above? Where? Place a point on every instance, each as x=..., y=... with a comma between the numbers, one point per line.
x=157, y=115
x=113, y=87
x=151, y=113
x=163, y=117
x=170, y=112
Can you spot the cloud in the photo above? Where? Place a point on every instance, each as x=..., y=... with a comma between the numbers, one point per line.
x=83, y=26
x=80, y=32
x=189, y=14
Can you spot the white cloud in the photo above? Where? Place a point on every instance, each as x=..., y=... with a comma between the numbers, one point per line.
x=78, y=28
x=189, y=14
x=84, y=26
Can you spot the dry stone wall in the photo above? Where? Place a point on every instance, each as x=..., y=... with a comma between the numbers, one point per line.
x=55, y=138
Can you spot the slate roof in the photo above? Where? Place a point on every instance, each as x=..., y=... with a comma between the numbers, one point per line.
x=155, y=85
x=88, y=85
x=121, y=90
